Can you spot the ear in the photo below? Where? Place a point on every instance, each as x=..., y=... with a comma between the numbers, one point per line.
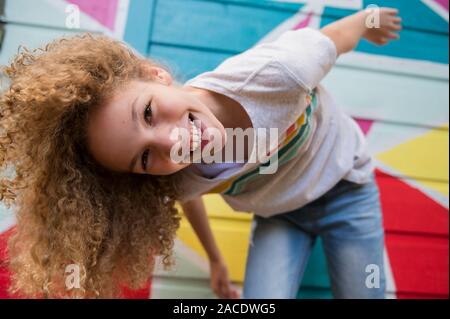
x=160, y=75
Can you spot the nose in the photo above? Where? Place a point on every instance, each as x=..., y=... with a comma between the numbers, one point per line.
x=162, y=141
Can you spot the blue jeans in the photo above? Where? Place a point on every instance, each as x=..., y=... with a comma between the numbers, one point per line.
x=349, y=221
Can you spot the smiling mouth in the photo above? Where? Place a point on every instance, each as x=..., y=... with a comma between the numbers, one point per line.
x=195, y=128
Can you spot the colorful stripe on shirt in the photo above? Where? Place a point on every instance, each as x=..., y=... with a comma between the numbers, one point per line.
x=291, y=141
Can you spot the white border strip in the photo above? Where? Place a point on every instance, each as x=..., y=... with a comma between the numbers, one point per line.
x=121, y=18
x=420, y=68
x=345, y=4
x=391, y=288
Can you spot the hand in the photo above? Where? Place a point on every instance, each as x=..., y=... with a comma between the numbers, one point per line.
x=220, y=282
x=389, y=24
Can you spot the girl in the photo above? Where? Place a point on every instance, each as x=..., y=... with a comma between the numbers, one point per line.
x=88, y=127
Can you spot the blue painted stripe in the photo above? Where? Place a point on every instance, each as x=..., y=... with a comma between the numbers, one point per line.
x=139, y=24
x=413, y=44
x=212, y=24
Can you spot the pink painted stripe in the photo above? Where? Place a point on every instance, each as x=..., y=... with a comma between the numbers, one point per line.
x=443, y=3
x=365, y=125
x=304, y=23
x=104, y=11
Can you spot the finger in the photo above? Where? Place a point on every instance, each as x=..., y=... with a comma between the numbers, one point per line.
x=215, y=289
x=397, y=20
x=389, y=35
x=235, y=294
x=395, y=27
x=392, y=11
x=393, y=36
x=381, y=41
x=224, y=290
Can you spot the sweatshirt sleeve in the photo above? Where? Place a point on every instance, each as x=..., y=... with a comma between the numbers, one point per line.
x=296, y=61
x=306, y=54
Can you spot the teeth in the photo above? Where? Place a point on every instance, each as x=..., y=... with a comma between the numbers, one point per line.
x=195, y=136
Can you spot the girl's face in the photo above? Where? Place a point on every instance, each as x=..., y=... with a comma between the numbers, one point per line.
x=131, y=132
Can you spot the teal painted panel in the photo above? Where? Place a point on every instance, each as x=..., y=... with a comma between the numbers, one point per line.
x=414, y=44
x=139, y=26
x=268, y=4
x=415, y=14
x=314, y=293
x=316, y=273
x=214, y=25
x=230, y=30
x=186, y=63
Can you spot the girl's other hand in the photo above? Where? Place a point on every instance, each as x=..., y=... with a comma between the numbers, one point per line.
x=382, y=25
x=220, y=282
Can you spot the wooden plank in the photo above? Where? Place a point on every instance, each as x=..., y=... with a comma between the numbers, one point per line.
x=231, y=29
x=412, y=45
x=407, y=210
x=361, y=93
x=419, y=264
x=52, y=14
x=232, y=237
x=139, y=27
x=30, y=37
x=423, y=158
x=185, y=63
x=230, y=19
x=415, y=14
x=389, y=97
x=176, y=287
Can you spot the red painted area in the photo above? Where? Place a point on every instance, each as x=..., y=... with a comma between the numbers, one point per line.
x=104, y=11
x=143, y=293
x=4, y=274
x=416, y=239
x=409, y=210
x=419, y=264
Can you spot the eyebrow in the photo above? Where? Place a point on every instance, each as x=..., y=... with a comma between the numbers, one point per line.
x=134, y=118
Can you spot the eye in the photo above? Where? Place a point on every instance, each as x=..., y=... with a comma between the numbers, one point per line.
x=145, y=159
x=148, y=112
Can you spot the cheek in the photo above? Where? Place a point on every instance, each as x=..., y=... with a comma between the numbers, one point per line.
x=166, y=167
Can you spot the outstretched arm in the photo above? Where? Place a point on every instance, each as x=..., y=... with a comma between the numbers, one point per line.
x=347, y=32
x=195, y=212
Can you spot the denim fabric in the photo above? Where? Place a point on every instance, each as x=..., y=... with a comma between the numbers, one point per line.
x=348, y=219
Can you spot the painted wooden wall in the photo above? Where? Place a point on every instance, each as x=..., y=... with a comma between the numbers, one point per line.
x=398, y=94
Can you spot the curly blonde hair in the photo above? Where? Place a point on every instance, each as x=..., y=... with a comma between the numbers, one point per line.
x=70, y=210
